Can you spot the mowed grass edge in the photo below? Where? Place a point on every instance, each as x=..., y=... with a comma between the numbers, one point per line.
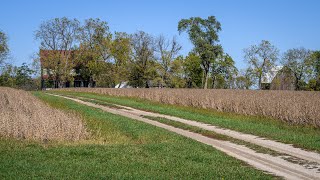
x=305, y=137
x=120, y=148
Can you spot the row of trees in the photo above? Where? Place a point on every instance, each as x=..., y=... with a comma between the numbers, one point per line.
x=18, y=77
x=140, y=59
x=143, y=60
x=14, y=76
x=300, y=63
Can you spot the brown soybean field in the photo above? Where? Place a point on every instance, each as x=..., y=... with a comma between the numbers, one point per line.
x=23, y=116
x=300, y=108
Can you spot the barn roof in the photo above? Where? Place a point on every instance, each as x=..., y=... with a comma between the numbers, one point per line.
x=269, y=76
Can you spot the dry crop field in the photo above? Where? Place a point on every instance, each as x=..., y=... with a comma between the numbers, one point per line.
x=293, y=107
x=24, y=116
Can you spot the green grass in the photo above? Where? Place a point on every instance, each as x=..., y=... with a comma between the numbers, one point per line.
x=120, y=148
x=214, y=135
x=300, y=136
x=187, y=127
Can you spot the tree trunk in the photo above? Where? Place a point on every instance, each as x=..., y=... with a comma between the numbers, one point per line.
x=42, y=80
x=260, y=77
x=298, y=77
x=297, y=86
x=213, y=82
x=120, y=84
x=202, y=79
x=206, y=80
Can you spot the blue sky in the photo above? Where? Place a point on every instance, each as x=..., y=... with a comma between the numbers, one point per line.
x=286, y=23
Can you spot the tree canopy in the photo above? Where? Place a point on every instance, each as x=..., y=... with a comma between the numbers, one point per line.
x=203, y=33
x=4, y=49
x=261, y=59
x=300, y=63
x=87, y=51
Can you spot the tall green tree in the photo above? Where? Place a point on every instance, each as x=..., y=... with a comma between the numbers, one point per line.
x=143, y=66
x=7, y=75
x=24, y=77
x=95, y=50
x=121, y=51
x=300, y=63
x=203, y=33
x=261, y=59
x=4, y=49
x=316, y=63
x=224, y=72
x=314, y=81
x=193, y=71
x=96, y=38
x=177, y=73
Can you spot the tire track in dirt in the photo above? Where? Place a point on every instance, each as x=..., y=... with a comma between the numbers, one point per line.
x=270, y=144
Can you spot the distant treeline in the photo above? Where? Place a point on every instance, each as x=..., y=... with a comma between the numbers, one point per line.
x=142, y=60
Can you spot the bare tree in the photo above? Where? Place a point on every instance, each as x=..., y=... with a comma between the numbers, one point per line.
x=168, y=50
x=261, y=59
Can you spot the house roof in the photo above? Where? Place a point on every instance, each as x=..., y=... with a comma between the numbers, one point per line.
x=123, y=85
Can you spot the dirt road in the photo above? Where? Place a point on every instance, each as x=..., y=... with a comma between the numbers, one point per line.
x=266, y=162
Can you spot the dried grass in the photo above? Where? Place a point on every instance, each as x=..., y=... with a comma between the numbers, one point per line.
x=23, y=116
x=291, y=106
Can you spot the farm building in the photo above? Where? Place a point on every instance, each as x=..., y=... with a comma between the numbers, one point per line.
x=278, y=78
x=60, y=69
x=123, y=85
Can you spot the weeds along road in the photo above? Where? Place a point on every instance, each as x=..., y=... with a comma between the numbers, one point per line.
x=293, y=163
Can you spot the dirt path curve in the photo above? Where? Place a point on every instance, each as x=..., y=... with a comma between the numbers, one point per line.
x=270, y=144
x=265, y=162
